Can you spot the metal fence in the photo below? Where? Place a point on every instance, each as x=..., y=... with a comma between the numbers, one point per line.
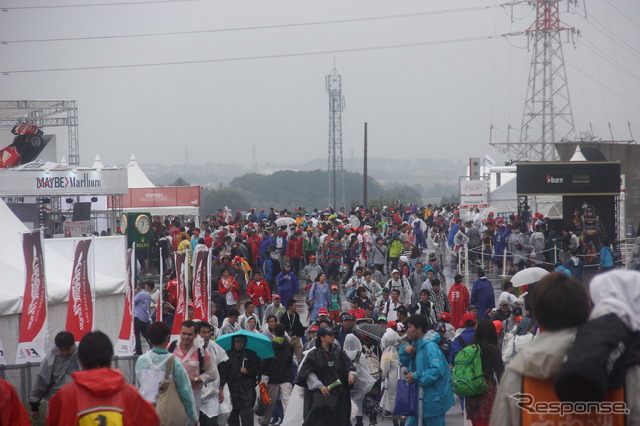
x=23, y=377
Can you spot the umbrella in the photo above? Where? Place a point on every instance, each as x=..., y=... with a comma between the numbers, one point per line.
x=259, y=343
x=528, y=276
x=374, y=331
x=285, y=221
x=423, y=225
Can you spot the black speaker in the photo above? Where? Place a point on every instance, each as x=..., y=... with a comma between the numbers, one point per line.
x=81, y=211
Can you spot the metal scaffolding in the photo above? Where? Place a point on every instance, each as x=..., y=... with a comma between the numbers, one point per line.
x=45, y=114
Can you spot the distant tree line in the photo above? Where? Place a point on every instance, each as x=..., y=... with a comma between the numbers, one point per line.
x=290, y=189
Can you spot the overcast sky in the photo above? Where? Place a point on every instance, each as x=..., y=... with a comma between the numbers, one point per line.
x=433, y=100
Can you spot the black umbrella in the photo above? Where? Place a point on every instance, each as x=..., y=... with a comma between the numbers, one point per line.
x=371, y=330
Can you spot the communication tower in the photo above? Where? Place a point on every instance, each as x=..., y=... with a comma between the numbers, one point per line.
x=547, y=116
x=333, y=85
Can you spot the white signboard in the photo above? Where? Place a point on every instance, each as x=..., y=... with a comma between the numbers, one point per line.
x=473, y=193
x=63, y=182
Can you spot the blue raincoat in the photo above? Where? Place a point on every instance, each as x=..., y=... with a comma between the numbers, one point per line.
x=431, y=371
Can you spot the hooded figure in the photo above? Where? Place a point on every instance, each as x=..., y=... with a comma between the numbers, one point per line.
x=390, y=366
x=606, y=352
x=353, y=349
x=522, y=337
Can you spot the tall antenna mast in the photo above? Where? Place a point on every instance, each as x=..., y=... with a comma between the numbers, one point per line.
x=333, y=85
x=254, y=163
x=547, y=117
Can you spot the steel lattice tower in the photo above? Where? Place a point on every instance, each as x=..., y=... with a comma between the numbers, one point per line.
x=547, y=116
x=333, y=85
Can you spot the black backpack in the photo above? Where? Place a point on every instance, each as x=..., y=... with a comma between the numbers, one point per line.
x=174, y=344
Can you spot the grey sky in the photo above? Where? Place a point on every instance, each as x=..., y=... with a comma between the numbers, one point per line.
x=428, y=101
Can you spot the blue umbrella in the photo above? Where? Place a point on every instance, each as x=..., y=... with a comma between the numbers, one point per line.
x=259, y=343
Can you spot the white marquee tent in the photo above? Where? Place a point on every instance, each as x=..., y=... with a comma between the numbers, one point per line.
x=107, y=274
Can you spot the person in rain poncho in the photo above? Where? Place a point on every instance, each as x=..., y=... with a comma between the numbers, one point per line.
x=353, y=349
x=522, y=338
x=391, y=369
x=326, y=374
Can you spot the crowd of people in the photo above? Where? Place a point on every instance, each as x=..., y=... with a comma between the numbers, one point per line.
x=383, y=328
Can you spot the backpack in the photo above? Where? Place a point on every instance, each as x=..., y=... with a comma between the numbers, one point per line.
x=174, y=344
x=276, y=267
x=372, y=362
x=467, y=378
x=169, y=407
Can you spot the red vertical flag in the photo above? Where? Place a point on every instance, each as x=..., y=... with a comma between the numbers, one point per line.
x=181, y=288
x=126, y=341
x=200, y=290
x=33, y=323
x=80, y=306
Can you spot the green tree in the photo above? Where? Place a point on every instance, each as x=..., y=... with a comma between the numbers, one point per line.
x=214, y=199
x=179, y=182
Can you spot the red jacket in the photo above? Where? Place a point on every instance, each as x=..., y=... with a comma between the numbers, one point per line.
x=459, y=300
x=231, y=286
x=294, y=247
x=12, y=412
x=100, y=396
x=254, y=242
x=259, y=290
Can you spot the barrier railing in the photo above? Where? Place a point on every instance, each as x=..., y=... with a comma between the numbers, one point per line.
x=23, y=376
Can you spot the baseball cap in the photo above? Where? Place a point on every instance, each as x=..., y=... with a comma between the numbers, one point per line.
x=386, y=290
x=400, y=327
x=498, y=325
x=440, y=326
x=323, y=311
x=346, y=316
x=382, y=319
x=445, y=316
x=275, y=296
x=325, y=331
x=395, y=271
x=470, y=307
x=313, y=328
x=519, y=318
x=312, y=257
x=392, y=324
x=334, y=286
x=402, y=310
x=468, y=319
x=404, y=259
x=517, y=311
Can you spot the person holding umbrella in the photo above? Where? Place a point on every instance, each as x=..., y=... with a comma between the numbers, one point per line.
x=240, y=372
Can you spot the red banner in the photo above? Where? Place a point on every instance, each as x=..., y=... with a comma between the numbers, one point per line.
x=181, y=289
x=200, y=288
x=165, y=196
x=33, y=323
x=126, y=341
x=80, y=306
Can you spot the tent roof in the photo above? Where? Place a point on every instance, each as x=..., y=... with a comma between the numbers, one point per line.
x=505, y=192
x=137, y=178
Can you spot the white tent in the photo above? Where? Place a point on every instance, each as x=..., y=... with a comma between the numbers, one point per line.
x=136, y=177
x=504, y=199
x=107, y=273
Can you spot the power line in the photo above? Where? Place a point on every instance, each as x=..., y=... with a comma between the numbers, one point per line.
x=259, y=27
x=623, y=14
x=67, y=6
x=259, y=57
x=596, y=50
x=602, y=85
x=611, y=36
